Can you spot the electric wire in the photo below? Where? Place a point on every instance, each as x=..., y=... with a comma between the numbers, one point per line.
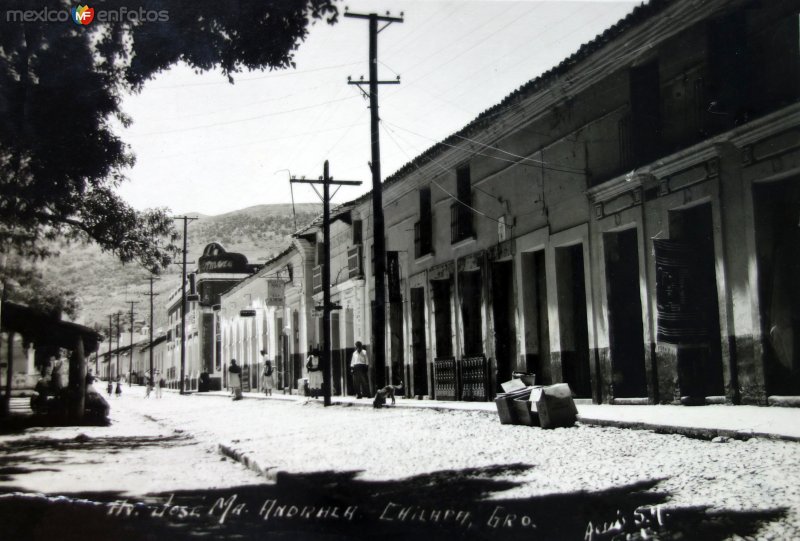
x=238, y=121
x=442, y=188
x=270, y=75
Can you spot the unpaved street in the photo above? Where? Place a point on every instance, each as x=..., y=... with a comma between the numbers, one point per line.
x=352, y=472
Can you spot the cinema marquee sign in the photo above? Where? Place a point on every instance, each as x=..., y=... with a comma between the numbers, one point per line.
x=216, y=259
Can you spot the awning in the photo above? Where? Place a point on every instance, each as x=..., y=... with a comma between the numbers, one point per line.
x=41, y=329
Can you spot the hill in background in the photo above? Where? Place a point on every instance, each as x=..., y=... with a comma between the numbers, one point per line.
x=105, y=286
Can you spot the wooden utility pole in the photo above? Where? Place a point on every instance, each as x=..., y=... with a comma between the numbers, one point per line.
x=186, y=220
x=378, y=237
x=150, y=348
x=326, y=182
x=118, y=335
x=130, y=361
x=110, y=343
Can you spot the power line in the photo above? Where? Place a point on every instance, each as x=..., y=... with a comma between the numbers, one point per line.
x=240, y=120
x=434, y=182
x=250, y=79
x=251, y=143
x=242, y=105
x=518, y=161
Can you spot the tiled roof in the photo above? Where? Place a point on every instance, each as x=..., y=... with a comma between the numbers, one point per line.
x=639, y=14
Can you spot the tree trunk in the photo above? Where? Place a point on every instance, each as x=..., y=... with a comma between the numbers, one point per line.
x=77, y=382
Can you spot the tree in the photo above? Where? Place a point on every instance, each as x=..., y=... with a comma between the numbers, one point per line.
x=25, y=284
x=60, y=87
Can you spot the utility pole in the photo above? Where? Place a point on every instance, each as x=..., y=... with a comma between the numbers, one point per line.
x=150, y=348
x=130, y=361
x=186, y=220
x=118, y=335
x=378, y=237
x=327, y=307
x=110, y=343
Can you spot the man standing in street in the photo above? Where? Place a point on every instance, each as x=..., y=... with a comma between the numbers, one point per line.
x=359, y=365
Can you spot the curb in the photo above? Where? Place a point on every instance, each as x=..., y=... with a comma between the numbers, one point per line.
x=270, y=472
x=689, y=432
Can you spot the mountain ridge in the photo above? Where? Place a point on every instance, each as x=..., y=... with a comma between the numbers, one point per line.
x=105, y=286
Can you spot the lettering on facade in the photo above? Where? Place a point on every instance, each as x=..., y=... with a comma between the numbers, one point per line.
x=215, y=260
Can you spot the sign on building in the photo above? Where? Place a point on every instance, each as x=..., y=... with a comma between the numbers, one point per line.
x=275, y=292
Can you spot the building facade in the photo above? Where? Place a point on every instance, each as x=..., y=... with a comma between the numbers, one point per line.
x=626, y=223
x=217, y=271
x=271, y=311
x=615, y=224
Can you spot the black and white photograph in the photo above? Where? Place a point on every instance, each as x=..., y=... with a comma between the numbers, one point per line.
x=399, y=269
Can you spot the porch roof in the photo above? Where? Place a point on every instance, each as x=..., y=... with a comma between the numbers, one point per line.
x=37, y=327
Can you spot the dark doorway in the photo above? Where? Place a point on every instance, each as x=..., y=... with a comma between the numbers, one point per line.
x=625, y=331
x=396, y=341
x=505, y=330
x=349, y=343
x=777, y=207
x=297, y=356
x=700, y=375
x=443, y=321
x=470, y=296
x=280, y=356
x=337, y=355
x=572, y=320
x=537, y=325
x=418, y=346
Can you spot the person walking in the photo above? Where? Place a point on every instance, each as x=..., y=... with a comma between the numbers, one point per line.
x=235, y=380
x=149, y=384
x=359, y=366
x=314, y=373
x=159, y=384
x=118, y=390
x=267, y=378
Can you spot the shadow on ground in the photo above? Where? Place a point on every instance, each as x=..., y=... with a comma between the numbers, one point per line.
x=449, y=504
x=18, y=423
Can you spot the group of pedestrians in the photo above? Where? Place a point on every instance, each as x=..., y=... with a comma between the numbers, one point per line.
x=156, y=382
x=115, y=387
x=359, y=367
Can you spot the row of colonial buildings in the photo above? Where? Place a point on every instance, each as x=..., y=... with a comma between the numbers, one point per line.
x=628, y=223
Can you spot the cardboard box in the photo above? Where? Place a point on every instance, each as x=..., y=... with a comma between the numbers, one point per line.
x=505, y=405
x=513, y=385
x=525, y=412
x=555, y=406
x=504, y=411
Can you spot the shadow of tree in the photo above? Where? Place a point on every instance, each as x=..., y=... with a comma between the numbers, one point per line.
x=18, y=423
x=452, y=504
x=106, y=444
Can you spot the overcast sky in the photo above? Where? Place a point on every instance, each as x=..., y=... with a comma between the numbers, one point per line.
x=204, y=145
